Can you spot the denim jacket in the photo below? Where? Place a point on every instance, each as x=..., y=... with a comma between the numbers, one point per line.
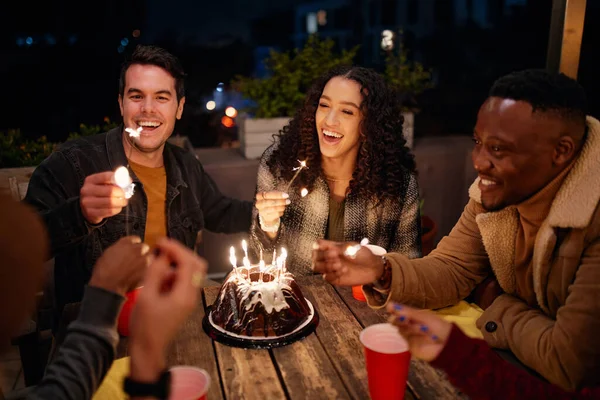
x=193, y=203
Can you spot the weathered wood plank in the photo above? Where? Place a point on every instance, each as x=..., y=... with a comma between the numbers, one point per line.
x=338, y=332
x=193, y=347
x=245, y=374
x=424, y=381
x=308, y=372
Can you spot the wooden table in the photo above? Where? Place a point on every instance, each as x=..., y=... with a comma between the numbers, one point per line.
x=328, y=364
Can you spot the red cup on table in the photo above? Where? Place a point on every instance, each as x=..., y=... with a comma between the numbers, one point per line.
x=125, y=315
x=387, y=359
x=357, y=291
x=189, y=383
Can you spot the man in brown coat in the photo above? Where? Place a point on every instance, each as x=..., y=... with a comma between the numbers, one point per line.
x=532, y=223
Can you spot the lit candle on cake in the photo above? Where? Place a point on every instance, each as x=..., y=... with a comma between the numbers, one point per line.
x=246, y=260
x=261, y=267
x=297, y=169
x=233, y=260
x=283, y=259
x=274, y=260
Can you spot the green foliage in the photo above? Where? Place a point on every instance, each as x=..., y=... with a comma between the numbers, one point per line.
x=85, y=130
x=17, y=151
x=290, y=76
x=410, y=78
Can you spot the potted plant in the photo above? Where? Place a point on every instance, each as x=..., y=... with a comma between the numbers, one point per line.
x=410, y=78
x=277, y=96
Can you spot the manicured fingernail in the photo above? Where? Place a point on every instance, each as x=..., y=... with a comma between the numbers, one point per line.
x=401, y=318
x=315, y=246
x=424, y=328
x=288, y=201
x=285, y=195
x=397, y=307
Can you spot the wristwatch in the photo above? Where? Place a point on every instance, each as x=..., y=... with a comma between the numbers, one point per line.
x=159, y=389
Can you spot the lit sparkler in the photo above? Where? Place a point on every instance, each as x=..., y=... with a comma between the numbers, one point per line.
x=297, y=169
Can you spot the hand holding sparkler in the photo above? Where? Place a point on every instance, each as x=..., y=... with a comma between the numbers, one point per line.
x=100, y=197
x=339, y=267
x=271, y=206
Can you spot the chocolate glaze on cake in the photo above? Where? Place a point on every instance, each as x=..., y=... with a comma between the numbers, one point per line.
x=249, y=307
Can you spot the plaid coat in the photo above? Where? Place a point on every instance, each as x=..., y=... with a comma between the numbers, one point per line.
x=393, y=225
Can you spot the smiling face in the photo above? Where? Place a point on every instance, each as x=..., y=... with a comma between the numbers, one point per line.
x=150, y=101
x=517, y=152
x=338, y=118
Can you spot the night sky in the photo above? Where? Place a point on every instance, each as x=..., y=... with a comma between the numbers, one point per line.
x=68, y=75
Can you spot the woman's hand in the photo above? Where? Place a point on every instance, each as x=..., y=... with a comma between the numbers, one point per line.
x=425, y=332
x=271, y=206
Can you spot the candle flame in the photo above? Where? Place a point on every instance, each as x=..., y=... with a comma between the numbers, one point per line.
x=232, y=258
x=303, y=163
x=244, y=246
x=122, y=178
x=304, y=192
x=364, y=242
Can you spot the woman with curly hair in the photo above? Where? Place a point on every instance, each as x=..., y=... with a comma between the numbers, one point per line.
x=360, y=176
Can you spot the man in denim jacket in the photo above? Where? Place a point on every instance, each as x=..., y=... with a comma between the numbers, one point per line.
x=84, y=210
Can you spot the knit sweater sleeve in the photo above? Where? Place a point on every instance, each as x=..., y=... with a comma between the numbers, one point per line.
x=474, y=368
x=265, y=182
x=87, y=352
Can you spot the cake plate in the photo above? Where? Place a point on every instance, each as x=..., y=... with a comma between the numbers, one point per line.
x=246, y=342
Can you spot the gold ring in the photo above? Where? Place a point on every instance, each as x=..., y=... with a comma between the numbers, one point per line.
x=197, y=279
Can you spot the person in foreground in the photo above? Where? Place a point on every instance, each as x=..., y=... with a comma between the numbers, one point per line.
x=470, y=364
x=89, y=348
x=532, y=222
x=359, y=174
x=85, y=212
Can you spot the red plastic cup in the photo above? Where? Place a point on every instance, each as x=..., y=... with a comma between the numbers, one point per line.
x=125, y=315
x=357, y=292
x=189, y=383
x=387, y=359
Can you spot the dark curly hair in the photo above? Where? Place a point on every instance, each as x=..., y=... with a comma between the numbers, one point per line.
x=154, y=55
x=546, y=92
x=383, y=158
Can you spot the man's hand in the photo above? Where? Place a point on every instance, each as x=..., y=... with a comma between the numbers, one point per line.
x=170, y=294
x=100, y=198
x=329, y=259
x=121, y=266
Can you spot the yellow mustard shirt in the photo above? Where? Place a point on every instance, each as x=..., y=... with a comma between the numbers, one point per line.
x=155, y=187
